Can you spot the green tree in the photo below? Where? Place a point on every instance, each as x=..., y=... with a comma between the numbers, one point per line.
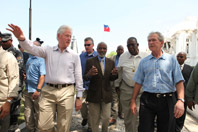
x=112, y=53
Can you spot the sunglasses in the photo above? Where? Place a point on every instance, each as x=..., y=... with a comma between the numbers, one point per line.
x=87, y=45
x=180, y=57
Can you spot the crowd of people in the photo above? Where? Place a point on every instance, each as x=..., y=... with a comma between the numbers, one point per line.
x=146, y=90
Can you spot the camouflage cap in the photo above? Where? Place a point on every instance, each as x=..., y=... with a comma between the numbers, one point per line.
x=6, y=36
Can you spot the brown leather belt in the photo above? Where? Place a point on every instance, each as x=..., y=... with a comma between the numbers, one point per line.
x=59, y=85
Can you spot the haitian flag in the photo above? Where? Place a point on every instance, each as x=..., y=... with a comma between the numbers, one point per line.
x=106, y=28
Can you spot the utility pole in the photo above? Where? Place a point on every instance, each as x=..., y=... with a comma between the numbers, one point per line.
x=30, y=20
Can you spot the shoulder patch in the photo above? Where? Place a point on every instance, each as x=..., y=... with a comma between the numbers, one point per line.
x=19, y=58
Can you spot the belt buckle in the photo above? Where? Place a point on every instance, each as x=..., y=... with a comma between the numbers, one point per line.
x=59, y=86
x=158, y=95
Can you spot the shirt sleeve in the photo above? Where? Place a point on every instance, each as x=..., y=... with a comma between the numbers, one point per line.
x=13, y=76
x=42, y=67
x=33, y=49
x=78, y=77
x=139, y=74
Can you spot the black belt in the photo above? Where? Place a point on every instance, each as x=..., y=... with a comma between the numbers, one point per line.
x=160, y=95
x=59, y=85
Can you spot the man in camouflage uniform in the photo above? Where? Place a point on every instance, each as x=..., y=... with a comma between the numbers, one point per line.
x=6, y=43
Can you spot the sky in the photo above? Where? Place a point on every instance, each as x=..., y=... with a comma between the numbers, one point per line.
x=126, y=18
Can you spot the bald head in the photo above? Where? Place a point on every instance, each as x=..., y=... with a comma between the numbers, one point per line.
x=181, y=57
x=120, y=50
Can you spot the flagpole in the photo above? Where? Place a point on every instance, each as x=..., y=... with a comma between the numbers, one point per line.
x=30, y=20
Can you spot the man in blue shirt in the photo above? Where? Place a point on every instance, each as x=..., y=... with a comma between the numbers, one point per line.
x=160, y=76
x=35, y=78
x=89, y=53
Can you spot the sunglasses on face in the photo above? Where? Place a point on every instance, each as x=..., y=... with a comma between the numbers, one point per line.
x=180, y=57
x=87, y=45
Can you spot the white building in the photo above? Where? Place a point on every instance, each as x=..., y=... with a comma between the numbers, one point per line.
x=184, y=37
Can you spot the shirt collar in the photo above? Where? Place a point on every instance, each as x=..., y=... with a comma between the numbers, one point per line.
x=55, y=48
x=99, y=58
x=130, y=55
x=161, y=57
x=92, y=54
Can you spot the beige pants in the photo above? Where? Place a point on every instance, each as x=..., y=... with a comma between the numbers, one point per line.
x=131, y=122
x=31, y=112
x=99, y=111
x=56, y=100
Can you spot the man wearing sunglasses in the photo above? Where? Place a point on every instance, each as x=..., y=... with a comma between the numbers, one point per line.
x=186, y=72
x=127, y=66
x=15, y=108
x=89, y=53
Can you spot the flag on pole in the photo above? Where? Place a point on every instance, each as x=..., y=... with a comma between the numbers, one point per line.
x=106, y=28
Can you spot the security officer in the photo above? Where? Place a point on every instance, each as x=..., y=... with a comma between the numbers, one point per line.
x=6, y=43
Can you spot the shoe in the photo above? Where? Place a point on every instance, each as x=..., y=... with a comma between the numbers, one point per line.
x=12, y=128
x=84, y=122
x=121, y=116
x=89, y=129
x=112, y=121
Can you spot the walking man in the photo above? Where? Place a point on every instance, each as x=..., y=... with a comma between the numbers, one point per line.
x=127, y=67
x=89, y=53
x=100, y=71
x=160, y=76
x=63, y=71
x=115, y=105
x=35, y=78
x=186, y=72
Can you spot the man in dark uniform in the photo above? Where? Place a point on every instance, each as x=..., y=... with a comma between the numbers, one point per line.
x=6, y=43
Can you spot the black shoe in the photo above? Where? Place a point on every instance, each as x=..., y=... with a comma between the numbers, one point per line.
x=84, y=122
x=12, y=128
x=89, y=129
x=121, y=116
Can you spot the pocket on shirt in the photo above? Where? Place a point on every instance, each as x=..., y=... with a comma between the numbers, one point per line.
x=2, y=71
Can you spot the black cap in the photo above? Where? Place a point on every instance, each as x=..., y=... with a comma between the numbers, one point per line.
x=39, y=40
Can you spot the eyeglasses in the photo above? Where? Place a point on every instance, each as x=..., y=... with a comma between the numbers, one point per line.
x=4, y=41
x=180, y=57
x=87, y=45
x=133, y=45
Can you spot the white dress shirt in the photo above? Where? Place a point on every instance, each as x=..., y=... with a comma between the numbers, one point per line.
x=61, y=68
x=127, y=66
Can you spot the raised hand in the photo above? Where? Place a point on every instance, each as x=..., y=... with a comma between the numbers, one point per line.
x=114, y=71
x=93, y=71
x=18, y=33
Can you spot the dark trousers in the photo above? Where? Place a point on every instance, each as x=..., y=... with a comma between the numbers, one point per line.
x=162, y=107
x=180, y=121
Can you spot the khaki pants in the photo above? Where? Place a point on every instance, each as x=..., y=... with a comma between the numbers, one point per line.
x=4, y=123
x=31, y=112
x=114, y=104
x=54, y=100
x=85, y=108
x=99, y=111
x=131, y=122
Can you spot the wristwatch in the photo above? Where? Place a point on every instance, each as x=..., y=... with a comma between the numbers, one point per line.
x=38, y=90
x=9, y=101
x=182, y=100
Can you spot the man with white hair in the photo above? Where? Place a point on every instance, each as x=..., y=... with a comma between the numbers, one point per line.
x=63, y=71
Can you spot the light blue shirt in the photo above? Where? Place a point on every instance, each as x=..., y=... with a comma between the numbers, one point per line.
x=158, y=75
x=35, y=67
